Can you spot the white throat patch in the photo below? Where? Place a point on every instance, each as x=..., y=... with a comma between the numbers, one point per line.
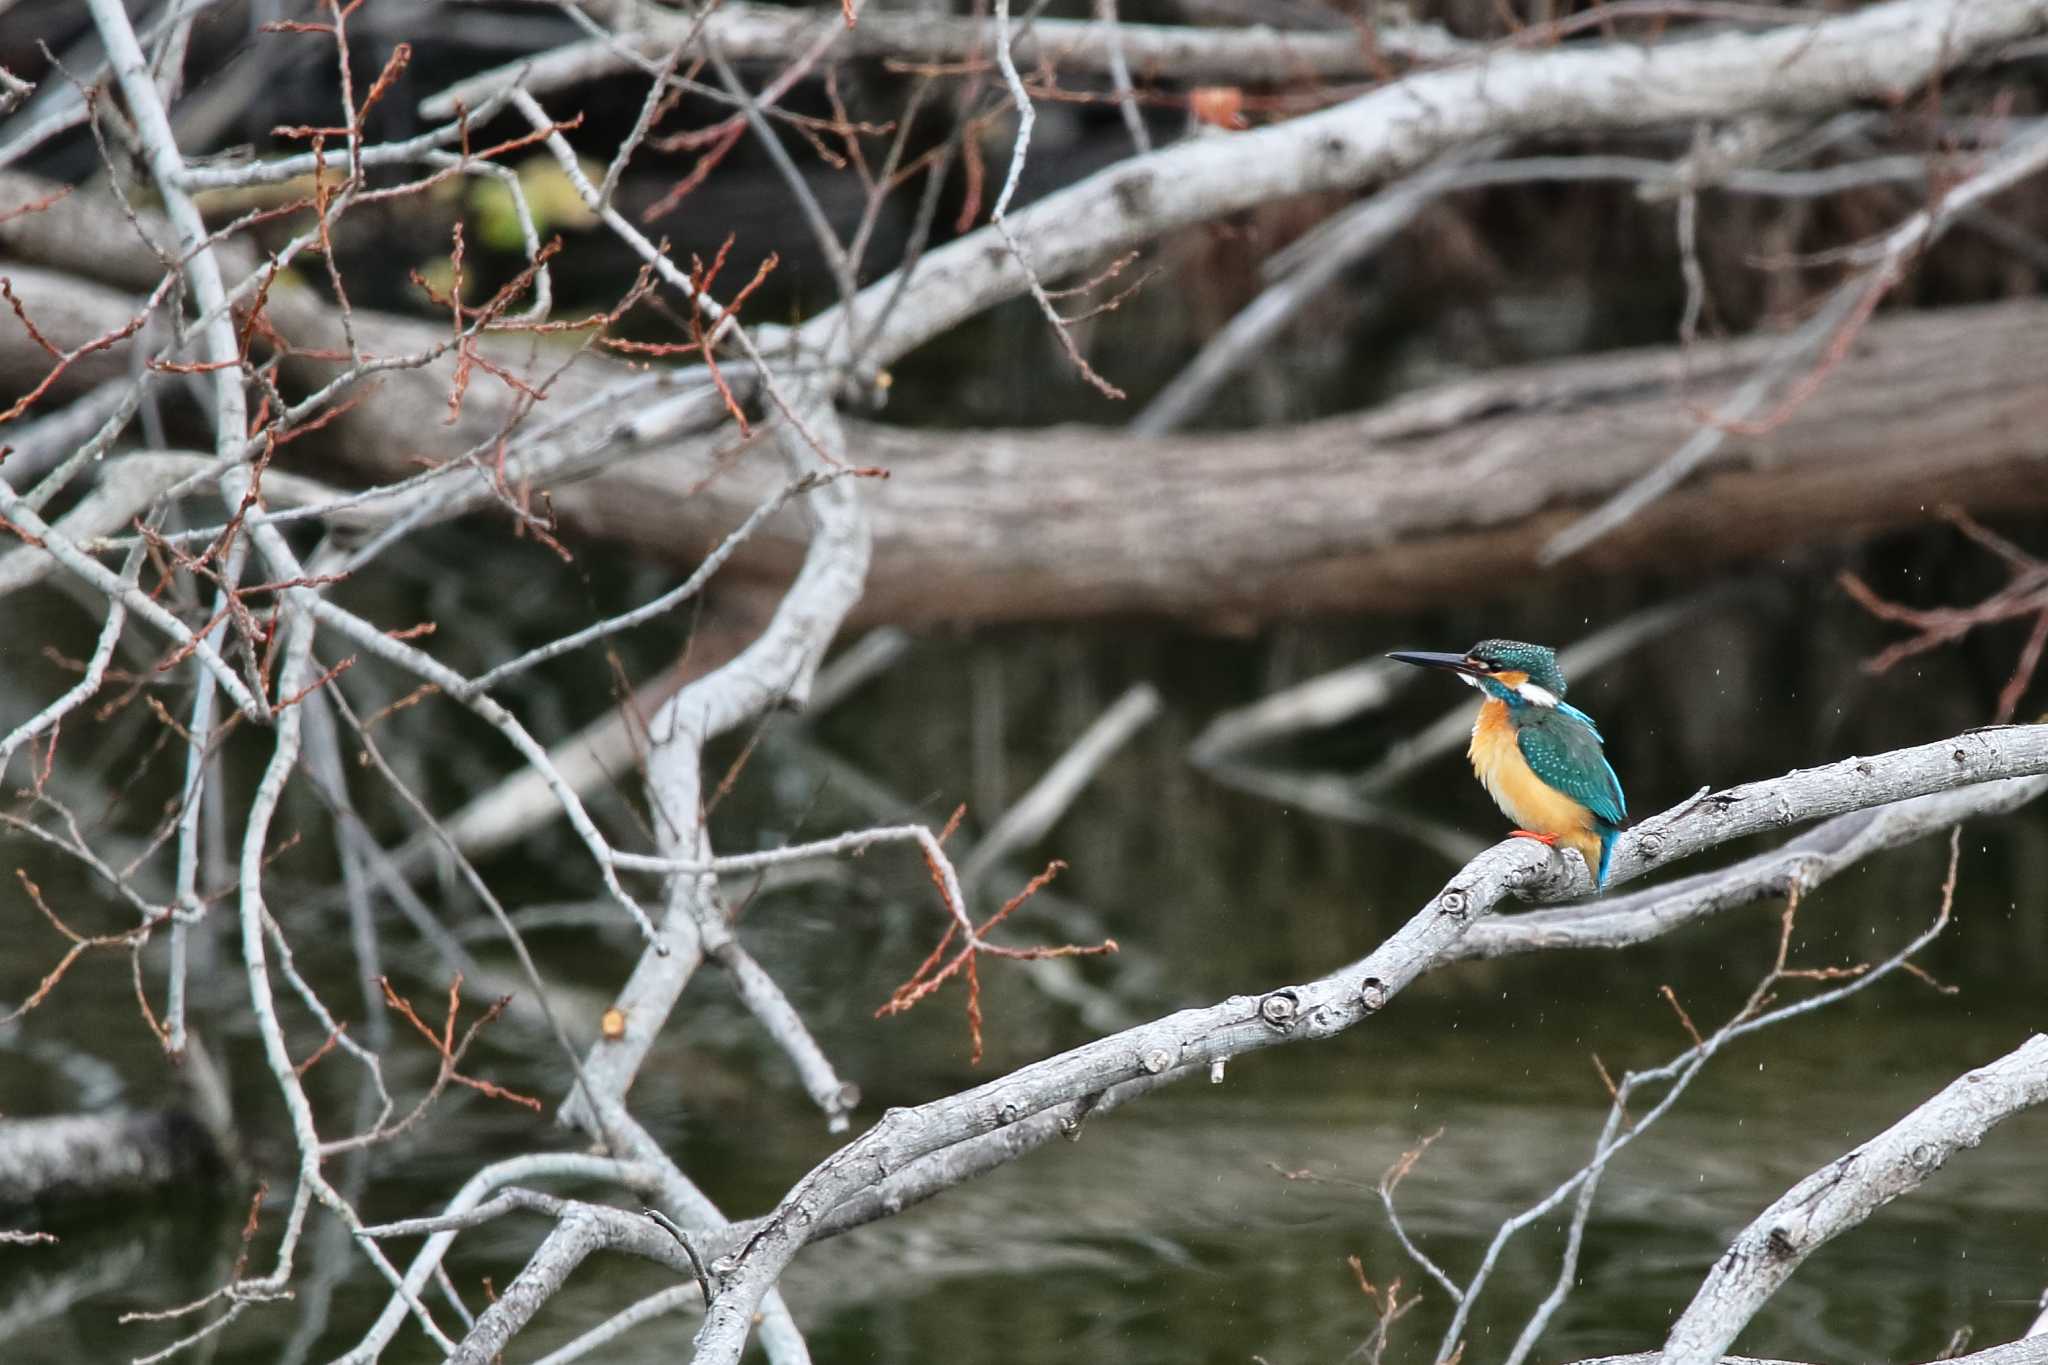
x=1541, y=696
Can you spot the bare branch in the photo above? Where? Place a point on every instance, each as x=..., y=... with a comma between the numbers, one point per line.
x=1402, y=126
x=1848, y=1190
x=776, y=669
x=748, y=32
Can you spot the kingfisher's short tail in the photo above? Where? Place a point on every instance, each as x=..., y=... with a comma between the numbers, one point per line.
x=1608, y=834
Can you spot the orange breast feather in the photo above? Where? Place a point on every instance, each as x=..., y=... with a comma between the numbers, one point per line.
x=1528, y=800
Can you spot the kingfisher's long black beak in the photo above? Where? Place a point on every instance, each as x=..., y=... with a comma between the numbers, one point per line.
x=1456, y=663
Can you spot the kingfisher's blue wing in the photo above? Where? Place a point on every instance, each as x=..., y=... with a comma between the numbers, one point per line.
x=1564, y=751
x=1565, y=708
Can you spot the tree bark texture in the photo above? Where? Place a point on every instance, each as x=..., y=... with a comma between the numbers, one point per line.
x=1849, y=1190
x=1441, y=495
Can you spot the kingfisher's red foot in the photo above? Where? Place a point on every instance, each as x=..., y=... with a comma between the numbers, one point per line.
x=1550, y=839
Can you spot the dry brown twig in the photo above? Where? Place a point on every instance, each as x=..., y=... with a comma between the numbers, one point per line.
x=2024, y=595
x=134, y=940
x=937, y=969
x=66, y=357
x=1388, y=1308
x=450, y=1050
x=250, y=1224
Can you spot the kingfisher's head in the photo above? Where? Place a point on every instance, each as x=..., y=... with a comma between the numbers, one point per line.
x=1508, y=670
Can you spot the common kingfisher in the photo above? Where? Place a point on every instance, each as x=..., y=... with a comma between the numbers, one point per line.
x=1538, y=758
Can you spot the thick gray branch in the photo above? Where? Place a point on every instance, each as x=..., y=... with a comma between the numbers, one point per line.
x=1438, y=496
x=1806, y=861
x=1843, y=1193
x=2026, y=1352
x=1800, y=864
x=746, y=32
x=578, y=1234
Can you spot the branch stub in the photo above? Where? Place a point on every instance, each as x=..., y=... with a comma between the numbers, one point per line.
x=1280, y=1009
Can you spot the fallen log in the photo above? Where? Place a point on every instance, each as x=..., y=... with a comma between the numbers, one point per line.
x=1446, y=493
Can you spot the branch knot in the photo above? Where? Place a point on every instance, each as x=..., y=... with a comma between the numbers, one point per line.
x=1280, y=1009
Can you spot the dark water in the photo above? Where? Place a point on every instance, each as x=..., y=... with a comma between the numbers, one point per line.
x=1208, y=1222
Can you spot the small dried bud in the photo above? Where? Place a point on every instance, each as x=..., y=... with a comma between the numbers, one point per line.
x=1220, y=106
x=613, y=1024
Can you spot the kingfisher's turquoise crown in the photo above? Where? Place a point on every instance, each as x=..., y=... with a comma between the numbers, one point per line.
x=1538, y=661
